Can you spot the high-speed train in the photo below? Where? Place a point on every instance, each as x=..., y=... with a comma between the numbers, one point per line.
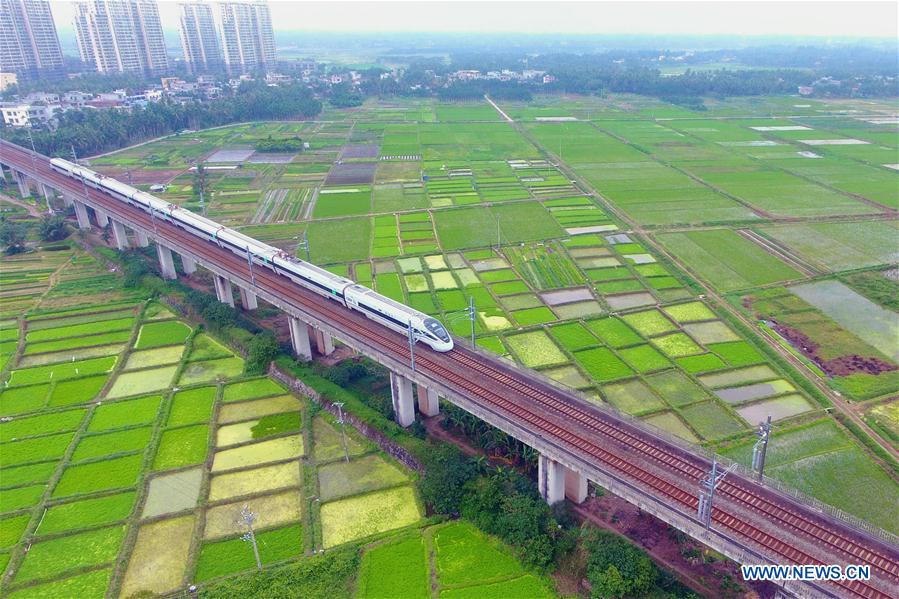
x=383, y=310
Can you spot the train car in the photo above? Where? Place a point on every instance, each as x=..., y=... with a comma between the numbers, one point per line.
x=383, y=310
x=399, y=317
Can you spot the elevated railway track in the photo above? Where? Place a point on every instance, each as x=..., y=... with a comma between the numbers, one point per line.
x=752, y=522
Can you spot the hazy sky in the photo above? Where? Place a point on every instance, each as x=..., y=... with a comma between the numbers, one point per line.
x=760, y=17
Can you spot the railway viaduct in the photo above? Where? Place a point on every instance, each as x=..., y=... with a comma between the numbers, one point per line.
x=753, y=522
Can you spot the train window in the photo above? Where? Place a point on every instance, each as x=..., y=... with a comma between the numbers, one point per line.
x=435, y=327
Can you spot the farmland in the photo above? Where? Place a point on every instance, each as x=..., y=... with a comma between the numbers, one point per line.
x=136, y=487
x=628, y=257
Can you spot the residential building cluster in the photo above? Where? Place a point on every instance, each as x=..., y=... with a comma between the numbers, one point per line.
x=42, y=109
x=236, y=36
x=529, y=75
x=126, y=36
x=121, y=36
x=29, y=44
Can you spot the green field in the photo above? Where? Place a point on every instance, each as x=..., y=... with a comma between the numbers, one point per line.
x=579, y=243
x=79, y=474
x=726, y=259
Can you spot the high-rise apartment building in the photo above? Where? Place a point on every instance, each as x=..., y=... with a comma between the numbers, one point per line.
x=29, y=46
x=199, y=39
x=248, y=42
x=121, y=36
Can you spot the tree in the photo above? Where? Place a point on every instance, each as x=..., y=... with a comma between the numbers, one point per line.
x=201, y=181
x=53, y=228
x=616, y=568
x=344, y=96
x=608, y=583
x=219, y=315
x=13, y=235
x=289, y=144
x=262, y=350
x=135, y=268
x=446, y=472
x=525, y=522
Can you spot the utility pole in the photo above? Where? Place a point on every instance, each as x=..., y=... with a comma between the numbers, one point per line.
x=342, y=423
x=34, y=171
x=305, y=245
x=247, y=518
x=412, y=341
x=707, y=488
x=250, y=263
x=761, y=449
x=83, y=182
x=467, y=313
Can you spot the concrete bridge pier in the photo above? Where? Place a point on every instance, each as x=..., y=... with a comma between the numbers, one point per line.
x=550, y=479
x=575, y=486
x=166, y=262
x=84, y=221
x=428, y=402
x=142, y=239
x=248, y=299
x=223, y=290
x=22, y=181
x=188, y=264
x=299, y=338
x=102, y=218
x=403, y=402
x=324, y=343
x=47, y=192
x=556, y=482
x=67, y=201
x=119, y=233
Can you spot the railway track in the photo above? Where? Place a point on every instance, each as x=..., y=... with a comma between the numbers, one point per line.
x=690, y=469
x=585, y=430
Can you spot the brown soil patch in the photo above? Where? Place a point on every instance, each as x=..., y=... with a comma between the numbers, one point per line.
x=842, y=366
x=139, y=175
x=704, y=571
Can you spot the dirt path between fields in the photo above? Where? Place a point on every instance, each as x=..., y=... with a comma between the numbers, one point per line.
x=32, y=210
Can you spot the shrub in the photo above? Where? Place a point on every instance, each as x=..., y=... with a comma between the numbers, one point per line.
x=13, y=235
x=327, y=575
x=447, y=471
x=135, y=268
x=292, y=144
x=53, y=228
x=262, y=350
x=615, y=568
x=218, y=315
x=505, y=504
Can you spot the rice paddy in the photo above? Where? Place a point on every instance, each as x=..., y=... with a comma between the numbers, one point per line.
x=104, y=443
x=458, y=207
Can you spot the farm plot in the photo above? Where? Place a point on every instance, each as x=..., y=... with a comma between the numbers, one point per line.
x=660, y=195
x=865, y=319
x=466, y=562
x=840, y=246
x=726, y=259
x=856, y=367
x=820, y=459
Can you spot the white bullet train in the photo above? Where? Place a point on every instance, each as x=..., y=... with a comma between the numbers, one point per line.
x=383, y=310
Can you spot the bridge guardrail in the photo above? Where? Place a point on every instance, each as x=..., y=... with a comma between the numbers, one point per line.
x=795, y=494
x=665, y=436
